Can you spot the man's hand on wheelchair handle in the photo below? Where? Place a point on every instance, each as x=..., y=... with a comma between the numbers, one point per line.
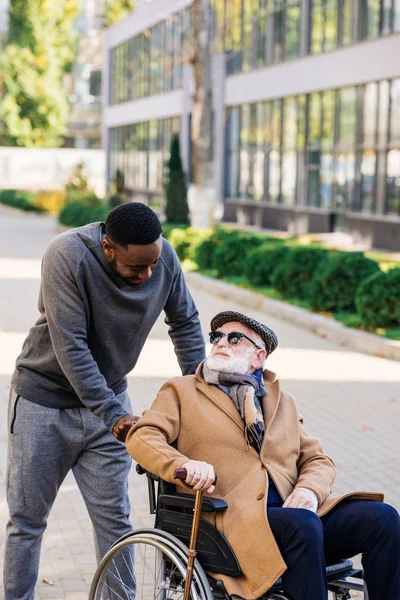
x=121, y=428
x=200, y=475
x=299, y=498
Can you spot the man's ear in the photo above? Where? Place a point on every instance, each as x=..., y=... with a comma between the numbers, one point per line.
x=259, y=359
x=108, y=248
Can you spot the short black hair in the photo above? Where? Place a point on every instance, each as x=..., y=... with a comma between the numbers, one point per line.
x=133, y=223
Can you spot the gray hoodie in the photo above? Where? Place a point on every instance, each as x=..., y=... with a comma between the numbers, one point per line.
x=92, y=326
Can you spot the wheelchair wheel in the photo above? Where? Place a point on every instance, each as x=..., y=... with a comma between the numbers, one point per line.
x=148, y=564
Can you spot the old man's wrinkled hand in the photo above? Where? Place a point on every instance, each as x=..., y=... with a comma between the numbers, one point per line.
x=299, y=498
x=200, y=475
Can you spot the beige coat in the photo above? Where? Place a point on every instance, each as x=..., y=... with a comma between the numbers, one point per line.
x=204, y=422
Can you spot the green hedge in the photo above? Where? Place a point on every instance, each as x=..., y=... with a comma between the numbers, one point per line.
x=334, y=285
x=231, y=251
x=378, y=299
x=262, y=263
x=19, y=199
x=294, y=274
x=76, y=214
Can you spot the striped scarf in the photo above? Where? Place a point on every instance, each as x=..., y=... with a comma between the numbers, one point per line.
x=244, y=391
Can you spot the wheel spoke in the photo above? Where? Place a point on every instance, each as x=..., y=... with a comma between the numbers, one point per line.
x=147, y=567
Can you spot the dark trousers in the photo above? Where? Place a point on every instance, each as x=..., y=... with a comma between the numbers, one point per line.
x=307, y=543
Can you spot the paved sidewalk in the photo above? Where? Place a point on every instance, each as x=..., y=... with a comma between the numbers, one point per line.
x=350, y=400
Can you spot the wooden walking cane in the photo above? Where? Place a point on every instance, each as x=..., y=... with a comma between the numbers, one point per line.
x=181, y=474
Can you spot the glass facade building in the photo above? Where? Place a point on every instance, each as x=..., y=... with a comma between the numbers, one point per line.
x=308, y=100
x=325, y=149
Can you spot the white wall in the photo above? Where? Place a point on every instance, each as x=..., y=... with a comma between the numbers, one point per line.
x=355, y=65
x=48, y=168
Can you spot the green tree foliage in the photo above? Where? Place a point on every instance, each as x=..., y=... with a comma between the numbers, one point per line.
x=176, y=210
x=40, y=49
x=116, y=10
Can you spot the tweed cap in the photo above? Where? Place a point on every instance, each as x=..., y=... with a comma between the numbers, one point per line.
x=267, y=335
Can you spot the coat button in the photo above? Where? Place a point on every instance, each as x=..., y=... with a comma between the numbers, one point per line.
x=260, y=496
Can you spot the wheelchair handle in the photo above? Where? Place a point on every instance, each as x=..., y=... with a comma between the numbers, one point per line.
x=182, y=474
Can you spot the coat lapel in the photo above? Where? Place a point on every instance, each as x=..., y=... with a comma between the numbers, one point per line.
x=270, y=401
x=222, y=400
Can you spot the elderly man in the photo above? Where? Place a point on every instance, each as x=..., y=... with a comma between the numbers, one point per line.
x=233, y=418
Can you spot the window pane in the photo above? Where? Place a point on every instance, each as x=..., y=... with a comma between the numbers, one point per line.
x=279, y=31
x=368, y=181
x=326, y=175
x=328, y=113
x=383, y=116
x=317, y=26
x=233, y=152
x=301, y=127
x=348, y=116
x=314, y=119
x=345, y=165
x=330, y=25
x=259, y=159
x=393, y=183
x=370, y=107
x=396, y=15
x=395, y=113
x=370, y=15
x=345, y=22
x=292, y=31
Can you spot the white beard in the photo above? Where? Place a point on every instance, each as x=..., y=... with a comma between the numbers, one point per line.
x=233, y=364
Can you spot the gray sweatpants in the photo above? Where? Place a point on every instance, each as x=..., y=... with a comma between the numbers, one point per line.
x=44, y=444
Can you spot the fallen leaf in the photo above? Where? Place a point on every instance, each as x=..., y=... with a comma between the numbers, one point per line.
x=48, y=581
x=393, y=400
x=367, y=428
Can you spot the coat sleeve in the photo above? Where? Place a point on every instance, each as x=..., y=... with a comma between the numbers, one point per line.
x=149, y=441
x=316, y=470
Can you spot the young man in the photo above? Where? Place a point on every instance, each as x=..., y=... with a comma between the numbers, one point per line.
x=233, y=418
x=102, y=289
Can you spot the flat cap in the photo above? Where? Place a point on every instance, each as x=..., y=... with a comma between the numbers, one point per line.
x=267, y=335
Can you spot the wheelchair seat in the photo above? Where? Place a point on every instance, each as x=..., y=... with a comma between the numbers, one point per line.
x=174, y=514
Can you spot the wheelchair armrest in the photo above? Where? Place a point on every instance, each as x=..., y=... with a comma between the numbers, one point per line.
x=187, y=501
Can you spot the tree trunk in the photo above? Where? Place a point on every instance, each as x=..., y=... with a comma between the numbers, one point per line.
x=202, y=194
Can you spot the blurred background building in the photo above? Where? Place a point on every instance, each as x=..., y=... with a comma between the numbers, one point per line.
x=84, y=82
x=306, y=110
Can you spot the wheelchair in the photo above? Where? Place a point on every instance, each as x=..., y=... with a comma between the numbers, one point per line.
x=153, y=564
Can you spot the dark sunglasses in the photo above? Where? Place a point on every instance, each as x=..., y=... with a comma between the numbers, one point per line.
x=234, y=338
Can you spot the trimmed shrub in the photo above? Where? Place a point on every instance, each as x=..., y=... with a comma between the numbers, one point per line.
x=76, y=214
x=180, y=241
x=168, y=228
x=83, y=197
x=293, y=276
x=50, y=200
x=263, y=261
x=378, y=299
x=203, y=250
x=19, y=199
x=233, y=246
x=116, y=200
x=336, y=280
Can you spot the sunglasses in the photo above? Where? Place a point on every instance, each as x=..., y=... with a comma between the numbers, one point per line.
x=234, y=338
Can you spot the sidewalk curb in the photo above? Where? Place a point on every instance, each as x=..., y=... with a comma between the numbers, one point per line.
x=322, y=326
